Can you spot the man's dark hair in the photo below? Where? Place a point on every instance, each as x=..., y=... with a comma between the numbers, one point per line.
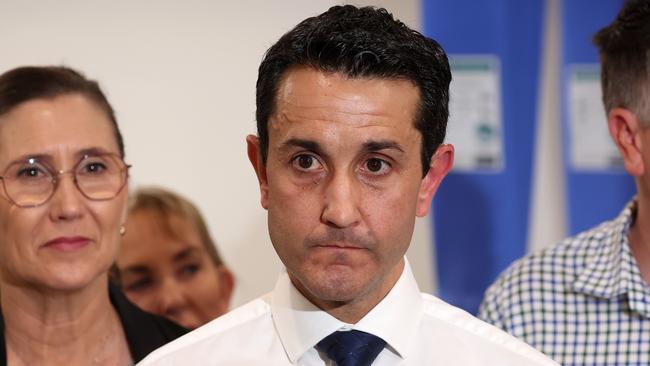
x=27, y=83
x=361, y=43
x=624, y=49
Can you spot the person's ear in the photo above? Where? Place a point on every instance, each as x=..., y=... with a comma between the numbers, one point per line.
x=625, y=129
x=255, y=157
x=441, y=163
x=226, y=287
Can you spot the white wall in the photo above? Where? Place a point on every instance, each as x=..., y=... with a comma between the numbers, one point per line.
x=547, y=223
x=181, y=76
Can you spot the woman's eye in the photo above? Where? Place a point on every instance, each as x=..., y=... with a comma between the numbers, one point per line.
x=94, y=167
x=30, y=172
x=376, y=166
x=306, y=162
x=138, y=285
x=188, y=271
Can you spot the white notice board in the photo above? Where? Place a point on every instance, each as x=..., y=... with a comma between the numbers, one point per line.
x=590, y=145
x=475, y=122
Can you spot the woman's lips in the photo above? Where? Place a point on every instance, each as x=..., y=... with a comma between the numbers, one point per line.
x=67, y=243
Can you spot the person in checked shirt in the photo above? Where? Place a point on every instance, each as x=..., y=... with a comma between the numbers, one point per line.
x=586, y=300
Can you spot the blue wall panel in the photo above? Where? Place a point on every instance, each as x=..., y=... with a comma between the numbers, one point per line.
x=481, y=219
x=593, y=196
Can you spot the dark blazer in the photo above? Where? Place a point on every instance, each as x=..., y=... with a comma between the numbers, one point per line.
x=144, y=331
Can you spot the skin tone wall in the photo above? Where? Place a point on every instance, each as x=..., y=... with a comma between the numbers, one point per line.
x=181, y=76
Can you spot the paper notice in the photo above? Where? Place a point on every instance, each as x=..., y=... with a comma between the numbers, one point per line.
x=475, y=126
x=590, y=145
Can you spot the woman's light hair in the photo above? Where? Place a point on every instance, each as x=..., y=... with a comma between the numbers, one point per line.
x=165, y=205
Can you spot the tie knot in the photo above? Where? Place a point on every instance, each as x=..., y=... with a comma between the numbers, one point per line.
x=351, y=348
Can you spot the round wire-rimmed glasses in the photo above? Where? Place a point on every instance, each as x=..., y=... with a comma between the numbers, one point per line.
x=32, y=182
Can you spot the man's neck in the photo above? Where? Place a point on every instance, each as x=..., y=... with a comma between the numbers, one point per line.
x=61, y=328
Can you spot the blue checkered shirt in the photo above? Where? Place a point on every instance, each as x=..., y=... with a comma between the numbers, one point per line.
x=581, y=302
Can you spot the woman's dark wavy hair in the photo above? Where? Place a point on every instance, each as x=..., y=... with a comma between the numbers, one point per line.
x=361, y=43
x=27, y=83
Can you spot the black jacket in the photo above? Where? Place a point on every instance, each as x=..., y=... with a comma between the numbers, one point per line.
x=144, y=331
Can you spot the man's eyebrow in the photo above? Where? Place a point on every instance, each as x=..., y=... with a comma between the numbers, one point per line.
x=371, y=146
x=305, y=144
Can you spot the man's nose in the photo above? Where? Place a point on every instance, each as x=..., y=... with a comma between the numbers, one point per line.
x=341, y=198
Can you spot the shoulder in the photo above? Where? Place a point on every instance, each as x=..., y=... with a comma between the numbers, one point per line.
x=144, y=332
x=549, y=274
x=555, y=267
x=218, y=337
x=489, y=343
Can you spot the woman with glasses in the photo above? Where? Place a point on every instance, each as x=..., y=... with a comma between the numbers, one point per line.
x=62, y=211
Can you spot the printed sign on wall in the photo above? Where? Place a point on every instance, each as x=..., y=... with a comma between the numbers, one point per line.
x=591, y=147
x=475, y=126
x=597, y=188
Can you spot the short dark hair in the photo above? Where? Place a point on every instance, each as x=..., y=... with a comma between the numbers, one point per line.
x=27, y=83
x=624, y=48
x=361, y=42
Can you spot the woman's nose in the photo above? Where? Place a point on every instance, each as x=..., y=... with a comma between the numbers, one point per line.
x=171, y=299
x=67, y=201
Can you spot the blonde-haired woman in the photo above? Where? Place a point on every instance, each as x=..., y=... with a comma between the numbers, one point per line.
x=169, y=264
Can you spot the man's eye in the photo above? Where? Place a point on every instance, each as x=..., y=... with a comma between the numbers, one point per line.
x=376, y=166
x=306, y=162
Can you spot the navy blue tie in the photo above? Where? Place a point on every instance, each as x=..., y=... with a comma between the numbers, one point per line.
x=351, y=348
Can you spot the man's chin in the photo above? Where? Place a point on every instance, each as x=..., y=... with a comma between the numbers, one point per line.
x=333, y=287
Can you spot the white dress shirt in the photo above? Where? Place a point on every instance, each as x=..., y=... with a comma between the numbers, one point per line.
x=282, y=328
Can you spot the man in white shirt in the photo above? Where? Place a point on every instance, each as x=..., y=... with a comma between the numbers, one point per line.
x=351, y=113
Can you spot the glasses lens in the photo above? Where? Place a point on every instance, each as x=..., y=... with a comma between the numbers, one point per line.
x=101, y=177
x=28, y=183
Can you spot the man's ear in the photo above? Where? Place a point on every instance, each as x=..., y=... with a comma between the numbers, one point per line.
x=440, y=164
x=625, y=129
x=255, y=157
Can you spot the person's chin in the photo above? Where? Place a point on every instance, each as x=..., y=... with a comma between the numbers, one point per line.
x=66, y=278
x=65, y=285
x=337, y=283
x=187, y=324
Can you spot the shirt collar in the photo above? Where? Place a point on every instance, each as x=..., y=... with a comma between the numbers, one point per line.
x=301, y=325
x=403, y=299
x=613, y=270
x=638, y=293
